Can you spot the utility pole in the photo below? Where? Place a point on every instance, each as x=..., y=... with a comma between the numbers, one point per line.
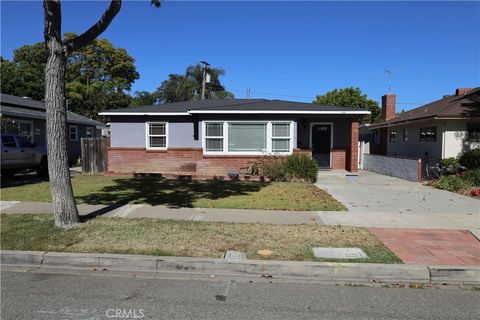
x=389, y=72
x=205, y=64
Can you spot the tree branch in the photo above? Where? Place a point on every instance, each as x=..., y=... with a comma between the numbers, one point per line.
x=95, y=30
x=52, y=19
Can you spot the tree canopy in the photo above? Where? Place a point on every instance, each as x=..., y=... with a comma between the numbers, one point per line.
x=351, y=97
x=185, y=87
x=98, y=76
x=144, y=98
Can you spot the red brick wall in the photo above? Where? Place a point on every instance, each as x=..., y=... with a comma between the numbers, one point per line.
x=388, y=106
x=338, y=159
x=352, y=154
x=178, y=160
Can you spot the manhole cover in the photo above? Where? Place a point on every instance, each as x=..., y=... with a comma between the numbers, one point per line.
x=232, y=255
x=339, y=253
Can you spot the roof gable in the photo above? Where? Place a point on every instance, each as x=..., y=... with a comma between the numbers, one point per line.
x=456, y=106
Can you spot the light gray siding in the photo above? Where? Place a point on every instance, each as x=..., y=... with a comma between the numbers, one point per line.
x=185, y=132
x=127, y=134
x=130, y=131
x=414, y=147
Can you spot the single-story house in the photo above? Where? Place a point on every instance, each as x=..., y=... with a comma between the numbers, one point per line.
x=220, y=137
x=441, y=129
x=26, y=117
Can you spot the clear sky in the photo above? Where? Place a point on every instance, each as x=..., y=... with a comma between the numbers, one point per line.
x=296, y=49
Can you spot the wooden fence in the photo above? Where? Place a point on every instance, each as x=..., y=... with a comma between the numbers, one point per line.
x=94, y=154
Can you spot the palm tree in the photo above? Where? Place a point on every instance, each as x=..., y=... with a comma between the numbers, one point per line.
x=214, y=89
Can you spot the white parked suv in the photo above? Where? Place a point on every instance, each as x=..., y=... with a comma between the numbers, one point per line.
x=19, y=154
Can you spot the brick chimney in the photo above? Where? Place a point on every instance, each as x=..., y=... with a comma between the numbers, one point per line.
x=462, y=91
x=388, y=106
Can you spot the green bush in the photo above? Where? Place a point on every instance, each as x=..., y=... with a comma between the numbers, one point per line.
x=272, y=168
x=301, y=167
x=453, y=183
x=447, y=162
x=291, y=168
x=473, y=176
x=471, y=159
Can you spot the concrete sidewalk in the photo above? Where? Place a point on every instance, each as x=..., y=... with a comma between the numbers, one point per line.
x=164, y=212
x=375, y=200
x=354, y=217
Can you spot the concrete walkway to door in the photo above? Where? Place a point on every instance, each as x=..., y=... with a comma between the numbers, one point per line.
x=376, y=200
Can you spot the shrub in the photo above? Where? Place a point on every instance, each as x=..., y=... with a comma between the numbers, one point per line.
x=301, y=167
x=291, y=168
x=449, y=162
x=453, y=183
x=471, y=159
x=450, y=165
x=272, y=168
x=473, y=176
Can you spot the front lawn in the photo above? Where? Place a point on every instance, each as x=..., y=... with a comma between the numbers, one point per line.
x=185, y=238
x=99, y=189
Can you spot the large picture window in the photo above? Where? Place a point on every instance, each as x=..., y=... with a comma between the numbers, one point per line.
x=428, y=134
x=157, y=135
x=247, y=137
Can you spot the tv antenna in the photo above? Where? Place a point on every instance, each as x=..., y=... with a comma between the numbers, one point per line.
x=389, y=72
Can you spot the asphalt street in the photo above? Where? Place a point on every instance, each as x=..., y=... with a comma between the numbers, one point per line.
x=101, y=295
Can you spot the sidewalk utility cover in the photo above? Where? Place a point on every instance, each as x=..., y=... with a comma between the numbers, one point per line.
x=339, y=253
x=232, y=255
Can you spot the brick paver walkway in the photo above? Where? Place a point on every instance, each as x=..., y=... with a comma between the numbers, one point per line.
x=431, y=246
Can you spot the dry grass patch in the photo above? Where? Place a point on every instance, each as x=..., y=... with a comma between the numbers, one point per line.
x=185, y=238
x=99, y=189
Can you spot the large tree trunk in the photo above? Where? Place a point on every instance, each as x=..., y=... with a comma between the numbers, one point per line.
x=64, y=207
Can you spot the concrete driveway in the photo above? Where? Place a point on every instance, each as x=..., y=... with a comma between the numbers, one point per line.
x=376, y=200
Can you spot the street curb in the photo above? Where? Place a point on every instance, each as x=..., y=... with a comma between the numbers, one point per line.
x=323, y=271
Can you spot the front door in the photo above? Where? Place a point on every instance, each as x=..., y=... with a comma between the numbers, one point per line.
x=322, y=144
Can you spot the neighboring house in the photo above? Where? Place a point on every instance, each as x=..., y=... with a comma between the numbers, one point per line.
x=440, y=129
x=220, y=137
x=26, y=117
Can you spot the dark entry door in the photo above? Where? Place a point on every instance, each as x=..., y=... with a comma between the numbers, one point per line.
x=322, y=144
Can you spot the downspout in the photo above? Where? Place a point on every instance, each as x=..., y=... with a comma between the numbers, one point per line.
x=443, y=140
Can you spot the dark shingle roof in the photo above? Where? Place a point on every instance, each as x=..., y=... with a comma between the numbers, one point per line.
x=7, y=99
x=28, y=108
x=232, y=105
x=457, y=106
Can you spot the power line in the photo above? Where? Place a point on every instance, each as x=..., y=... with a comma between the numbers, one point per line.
x=272, y=94
x=249, y=91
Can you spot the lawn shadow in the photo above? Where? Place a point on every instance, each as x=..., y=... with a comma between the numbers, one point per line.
x=156, y=190
x=20, y=179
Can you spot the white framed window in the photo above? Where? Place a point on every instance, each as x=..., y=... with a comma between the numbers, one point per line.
x=214, y=137
x=156, y=135
x=90, y=132
x=73, y=133
x=247, y=137
x=281, y=137
x=244, y=137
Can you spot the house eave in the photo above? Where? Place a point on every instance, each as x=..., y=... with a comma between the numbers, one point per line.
x=278, y=112
x=144, y=113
